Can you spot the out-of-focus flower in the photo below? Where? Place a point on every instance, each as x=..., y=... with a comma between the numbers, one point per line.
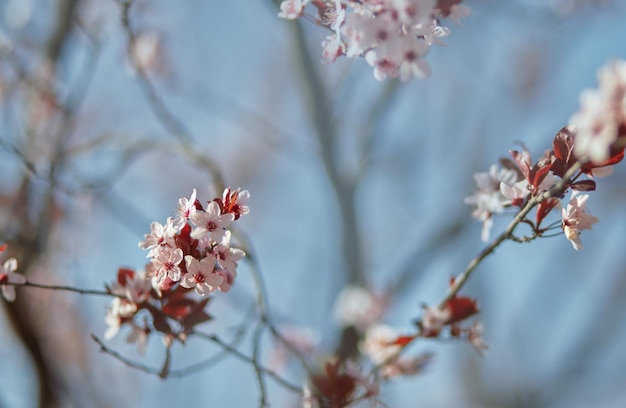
x=475, y=337
x=359, y=307
x=575, y=219
x=8, y=276
x=601, y=120
x=139, y=335
x=379, y=343
x=488, y=197
x=300, y=340
x=292, y=9
x=406, y=366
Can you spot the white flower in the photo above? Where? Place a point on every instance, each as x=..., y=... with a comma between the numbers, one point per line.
x=434, y=320
x=489, y=198
x=359, y=307
x=378, y=343
x=8, y=276
x=575, y=219
x=119, y=311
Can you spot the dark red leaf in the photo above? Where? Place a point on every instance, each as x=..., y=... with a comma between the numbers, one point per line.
x=124, y=274
x=584, y=185
x=461, y=308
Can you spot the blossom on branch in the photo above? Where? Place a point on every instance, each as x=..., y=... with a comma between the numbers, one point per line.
x=392, y=35
x=7, y=277
x=600, y=124
x=575, y=219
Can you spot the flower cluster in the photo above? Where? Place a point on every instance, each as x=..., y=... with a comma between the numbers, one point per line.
x=594, y=140
x=600, y=124
x=521, y=182
x=392, y=35
x=9, y=277
x=192, y=250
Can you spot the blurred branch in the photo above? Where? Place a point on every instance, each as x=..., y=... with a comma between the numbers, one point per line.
x=163, y=114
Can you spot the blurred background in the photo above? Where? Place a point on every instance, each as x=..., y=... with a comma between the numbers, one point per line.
x=352, y=181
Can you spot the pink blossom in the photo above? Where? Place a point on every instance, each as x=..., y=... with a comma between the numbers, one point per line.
x=359, y=307
x=488, y=198
x=138, y=335
x=475, y=337
x=185, y=208
x=166, y=263
x=229, y=279
x=200, y=275
x=120, y=311
x=602, y=112
x=159, y=236
x=226, y=256
x=378, y=343
x=332, y=47
x=8, y=276
x=575, y=219
x=406, y=366
x=292, y=9
x=210, y=222
x=434, y=320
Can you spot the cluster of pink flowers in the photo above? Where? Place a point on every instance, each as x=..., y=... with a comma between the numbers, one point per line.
x=594, y=140
x=192, y=250
x=392, y=35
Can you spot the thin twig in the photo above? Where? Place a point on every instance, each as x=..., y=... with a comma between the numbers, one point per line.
x=63, y=288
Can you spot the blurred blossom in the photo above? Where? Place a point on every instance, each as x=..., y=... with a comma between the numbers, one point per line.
x=359, y=307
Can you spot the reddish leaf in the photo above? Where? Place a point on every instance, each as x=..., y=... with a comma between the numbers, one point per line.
x=544, y=208
x=332, y=388
x=402, y=341
x=584, y=185
x=3, y=248
x=461, y=308
x=124, y=274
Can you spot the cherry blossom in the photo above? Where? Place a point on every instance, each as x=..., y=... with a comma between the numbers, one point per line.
x=210, y=222
x=186, y=207
x=379, y=344
x=120, y=311
x=159, y=236
x=575, y=219
x=392, y=35
x=602, y=116
x=166, y=263
x=134, y=285
x=406, y=366
x=8, y=276
x=226, y=256
x=200, y=275
x=292, y=9
x=359, y=307
x=234, y=202
x=139, y=335
x=434, y=320
x=489, y=198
